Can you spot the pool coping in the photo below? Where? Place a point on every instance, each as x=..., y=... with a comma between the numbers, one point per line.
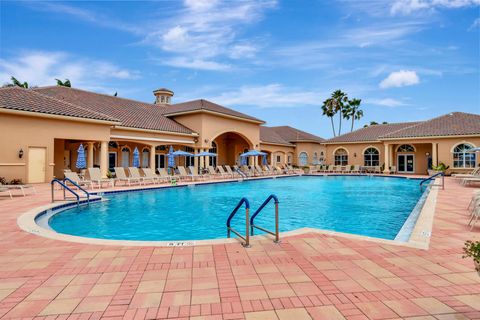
x=419, y=237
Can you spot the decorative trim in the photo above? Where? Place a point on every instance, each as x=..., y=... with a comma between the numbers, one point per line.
x=150, y=139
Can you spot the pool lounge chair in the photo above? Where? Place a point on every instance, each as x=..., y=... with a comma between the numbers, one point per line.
x=135, y=173
x=356, y=169
x=260, y=170
x=75, y=178
x=164, y=175
x=152, y=175
x=21, y=187
x=196, y=176
x=473, y=174
x=212, y=172
x=223, y=173
x=392, y=170
x=474, y=217
x=122, y=176
x=377, y=169
x=6, y=190
x=96, y=178
x=246, y=170
x=231, y=172
x=183, y=174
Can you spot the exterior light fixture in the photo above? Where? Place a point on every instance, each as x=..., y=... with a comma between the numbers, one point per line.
x=195, y=140
x=355, y=154
x=427, y=154
x=20, y=153
x=206, y=140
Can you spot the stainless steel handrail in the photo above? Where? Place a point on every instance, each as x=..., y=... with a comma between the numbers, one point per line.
x=273, y=233
x=433, y=177
x=64, y=187
x=247, y=222
x=79, y=188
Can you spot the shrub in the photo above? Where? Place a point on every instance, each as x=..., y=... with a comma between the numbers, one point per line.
x=472, y=250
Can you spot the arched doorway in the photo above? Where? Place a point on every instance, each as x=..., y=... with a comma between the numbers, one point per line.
x=229, y=146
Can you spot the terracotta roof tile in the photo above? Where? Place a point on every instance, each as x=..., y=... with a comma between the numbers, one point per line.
x=293, y=135
x=371, y=133
x=269, y=135
x=16, y=98
x=201, y=104
x=452, y=124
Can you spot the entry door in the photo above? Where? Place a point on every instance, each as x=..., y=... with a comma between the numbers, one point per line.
x=37, y=163
x=406, y=163
x=160, y=160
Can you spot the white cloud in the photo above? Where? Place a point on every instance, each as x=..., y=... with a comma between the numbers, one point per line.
x=405, y=7
x=386, y=102
x=475, y=24
x=198, y=64
x=40, y=68
x=400, y=78
x=269, y=96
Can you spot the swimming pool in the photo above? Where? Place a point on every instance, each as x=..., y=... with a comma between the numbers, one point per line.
x=363, y=205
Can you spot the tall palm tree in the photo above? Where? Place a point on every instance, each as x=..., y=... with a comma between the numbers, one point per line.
x=328, y=109
x=65, y=83
x=17, y=83
x=339, y=99
x=352, y=111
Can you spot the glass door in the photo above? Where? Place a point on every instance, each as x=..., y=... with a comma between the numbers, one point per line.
x=406, y=163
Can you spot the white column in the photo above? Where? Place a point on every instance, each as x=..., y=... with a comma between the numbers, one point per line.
x=90, y=155
x=104, y=158
x=434, y=154
x=152, y=157
x=272, y=157
x=387, y=159
x=202, y=160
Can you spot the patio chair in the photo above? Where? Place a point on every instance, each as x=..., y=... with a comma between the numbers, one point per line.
x=392, y=170
x=280, y=170
x=3, y=189
x=259, y=170
x=473, y=174
x=75, y=178
x=135, y=174
x=152, y=175
x=183, y=174
x=356, y=169
x=21, y=187
x=474, y=218
x=377, y=169
x=213, y=173
x=230, y=171
x=222, y=172
x=246, y=170
x=344, y=169
x=96, y=177
x=164, y=174
x=269, y=170
x=122, y=176
x=196, y=175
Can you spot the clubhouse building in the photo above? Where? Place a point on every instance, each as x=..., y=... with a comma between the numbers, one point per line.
x=42, y=128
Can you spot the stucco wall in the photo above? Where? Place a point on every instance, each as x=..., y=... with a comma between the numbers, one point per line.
x=22, y=132
x=278, y=151
x=355, y=152
x=310, y=148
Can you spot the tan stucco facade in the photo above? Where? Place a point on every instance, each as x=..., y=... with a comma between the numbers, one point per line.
x=435, y=149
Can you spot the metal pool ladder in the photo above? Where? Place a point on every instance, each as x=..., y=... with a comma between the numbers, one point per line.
x=432, y=178
x=247, y=229
x=252, y=224
x=63, y=185
x=249, y=222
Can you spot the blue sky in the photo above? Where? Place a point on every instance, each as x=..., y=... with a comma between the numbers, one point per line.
x=277, y=60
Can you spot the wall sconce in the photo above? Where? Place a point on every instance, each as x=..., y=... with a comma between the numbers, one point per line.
x=195, y=140
x=256, y=146
x=206, y=140
x=20, y=153
x=355, y=155
x=427, y=154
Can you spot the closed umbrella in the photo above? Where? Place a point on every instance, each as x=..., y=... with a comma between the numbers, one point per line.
x=171, y=158
x=81, y=162
x=243, y=160
x=264, y=160
x=136, y=158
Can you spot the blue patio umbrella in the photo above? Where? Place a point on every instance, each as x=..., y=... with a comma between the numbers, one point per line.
x=243, y=160
x=136, y=158
x=264, y=160
x=171, y=158
x=250, y=153
x=206, y=154
x=81, y=162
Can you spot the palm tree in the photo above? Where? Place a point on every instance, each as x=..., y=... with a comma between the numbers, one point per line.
x=339, y=100
x=65, y=83
x=115, y=94
x=328, y=109
x=352, y=111
x=17, y=83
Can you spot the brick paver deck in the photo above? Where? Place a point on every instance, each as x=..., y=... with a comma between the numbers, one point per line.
x=308, y=276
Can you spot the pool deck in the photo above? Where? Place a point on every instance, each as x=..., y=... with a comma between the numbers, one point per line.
x=307, y=276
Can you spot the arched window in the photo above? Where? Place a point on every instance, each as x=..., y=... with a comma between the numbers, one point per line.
x=462, y=158
x=125, y=157
x=289, y=159
x=371, y=157
x=406, y=148
x=145, y=158
x=315, y=158
x=213, y=160
x=341, y=157
x=302, y=159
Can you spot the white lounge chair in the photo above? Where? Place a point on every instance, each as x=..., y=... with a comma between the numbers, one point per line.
x=96, y=177
x=135, y=174
x=356, y=169
x=149, y=173
x=195, y=175
x=3, y=189
x=21, y=187
x=75, y=178
x=164, y=174
x=183, y=174
x=222, y=172
x=231, y=172
x=122, y=176
x=213, y=173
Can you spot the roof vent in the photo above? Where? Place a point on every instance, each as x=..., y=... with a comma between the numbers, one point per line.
x=163, y=96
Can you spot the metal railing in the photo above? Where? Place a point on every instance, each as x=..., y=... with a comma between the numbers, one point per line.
x=252, y=224
x=247, y=222
x=64, y=187
x=432, y=177
x=79, y=187
x=241, y=173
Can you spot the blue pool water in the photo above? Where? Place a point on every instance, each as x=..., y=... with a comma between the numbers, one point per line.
x=370, y=206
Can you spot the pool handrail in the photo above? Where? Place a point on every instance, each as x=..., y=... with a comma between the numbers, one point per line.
x=432, y=177
x=247, y=222
x=241, y=173
x=79, y=187
x=252, y=225
x=64, y=187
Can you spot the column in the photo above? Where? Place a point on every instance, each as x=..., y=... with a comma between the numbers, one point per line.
x=387, y=158
x=152, y=157
x=207, y=159
x=434, y=154
x=202, y=160
x=104, y=158
x=90, y=155
x=272, y=157
x=195, y=161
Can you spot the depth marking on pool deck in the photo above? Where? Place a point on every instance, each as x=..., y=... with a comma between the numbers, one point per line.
x=180, y=243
